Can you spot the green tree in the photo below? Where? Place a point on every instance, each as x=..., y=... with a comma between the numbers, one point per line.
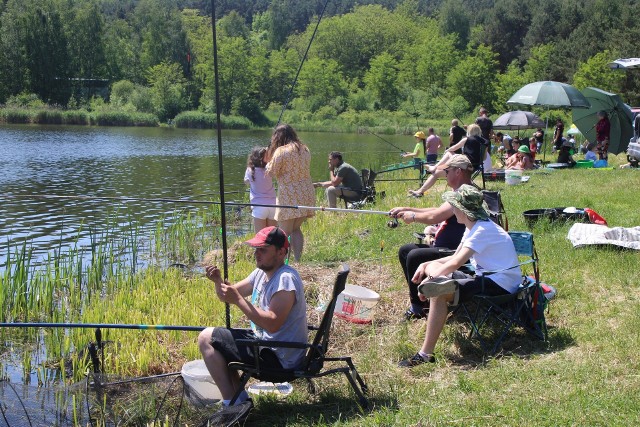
x=122, y=51
x=474, y=77
x=382, y=80
x=508, y=83
x=167, y=89
x=320, y=81
x=13, y=53
x=595, y=72
x=541, y=65
x=427, y=63
x=163, y=38
x=454, y=20
x=506, y=29
x=47, y=59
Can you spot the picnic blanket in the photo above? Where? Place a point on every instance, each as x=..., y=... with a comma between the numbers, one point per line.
x=594, y=234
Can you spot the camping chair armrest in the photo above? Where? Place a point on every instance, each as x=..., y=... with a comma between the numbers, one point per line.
x=265, y=343
x=488, y=273
x=256, y=344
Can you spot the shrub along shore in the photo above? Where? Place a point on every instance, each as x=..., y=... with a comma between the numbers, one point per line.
x=585, y=374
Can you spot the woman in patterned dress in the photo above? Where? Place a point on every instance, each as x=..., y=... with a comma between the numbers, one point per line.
x=289, y=162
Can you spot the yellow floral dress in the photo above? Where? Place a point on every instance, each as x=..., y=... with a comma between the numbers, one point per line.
x=292, y=170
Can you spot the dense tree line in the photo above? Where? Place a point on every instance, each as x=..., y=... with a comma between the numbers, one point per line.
x=416, y=56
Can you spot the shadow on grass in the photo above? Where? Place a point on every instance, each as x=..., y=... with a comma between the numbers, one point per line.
x=326, y=408
x=517, y=343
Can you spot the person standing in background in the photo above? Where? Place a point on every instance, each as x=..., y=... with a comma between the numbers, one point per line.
x=433, y=145
x=289, y=162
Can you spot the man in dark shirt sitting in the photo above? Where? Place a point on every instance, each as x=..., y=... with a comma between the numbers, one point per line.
x=448, y=232
x=344, y=180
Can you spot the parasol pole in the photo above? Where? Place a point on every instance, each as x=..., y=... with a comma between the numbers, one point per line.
x=223, y=216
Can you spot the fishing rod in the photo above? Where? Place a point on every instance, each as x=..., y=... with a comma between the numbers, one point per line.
x=378, y=136
x=295, y=80
x=101, y=326
x=435, y=91
x=223, y=216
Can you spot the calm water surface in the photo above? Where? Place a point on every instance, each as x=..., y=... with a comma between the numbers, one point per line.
x=132, y=162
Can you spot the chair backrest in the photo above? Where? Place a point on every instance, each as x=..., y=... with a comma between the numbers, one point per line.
x=525, y=247
x=314, y=359
x=497, y=213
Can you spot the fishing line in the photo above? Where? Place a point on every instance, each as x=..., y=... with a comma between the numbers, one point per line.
x=223, y=217
x=378, y=136
x=435, y=91
x=295, y=80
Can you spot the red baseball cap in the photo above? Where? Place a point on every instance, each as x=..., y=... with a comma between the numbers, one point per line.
x=269, y=236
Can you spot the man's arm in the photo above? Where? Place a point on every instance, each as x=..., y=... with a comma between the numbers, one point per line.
x=270, y=320
x=334, y=181
x=423, y=215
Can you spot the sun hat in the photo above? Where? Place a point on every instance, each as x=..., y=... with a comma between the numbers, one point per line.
x=469, y=200
x=459, y=161
x=420, y=135
x=524, y=149
x=269, y=236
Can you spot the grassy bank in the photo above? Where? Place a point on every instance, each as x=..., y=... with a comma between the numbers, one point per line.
x=586, y=374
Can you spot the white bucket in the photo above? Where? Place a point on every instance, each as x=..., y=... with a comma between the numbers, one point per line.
x=198, y=381
x=513, y=176
x=356, y=304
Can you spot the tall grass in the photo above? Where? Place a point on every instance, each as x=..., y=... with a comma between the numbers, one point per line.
x=201, y=120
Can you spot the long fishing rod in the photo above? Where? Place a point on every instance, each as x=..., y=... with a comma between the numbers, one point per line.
x=223, y=217
x=101, y=326
x=435, y=90
x=391, y=144
x=198, y=202
x=295, y=80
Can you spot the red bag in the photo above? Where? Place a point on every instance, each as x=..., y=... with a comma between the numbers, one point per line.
x=594, y=218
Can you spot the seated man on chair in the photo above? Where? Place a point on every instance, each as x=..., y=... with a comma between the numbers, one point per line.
x=344, y=180
x=487, y=246
x=447, y=237
x=277, y=311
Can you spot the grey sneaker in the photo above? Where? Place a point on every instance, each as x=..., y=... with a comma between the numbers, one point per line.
x=437, y=286
x=416, y=360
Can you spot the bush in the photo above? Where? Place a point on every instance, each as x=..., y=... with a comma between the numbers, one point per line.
x=249, y=108
x=48, y=117
x=25, y=100
x=16, y=116
x=121, y=118
x=75, y=117
x=201, y=120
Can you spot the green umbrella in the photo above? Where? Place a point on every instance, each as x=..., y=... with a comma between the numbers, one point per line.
x=620, y=117
x=549, y=94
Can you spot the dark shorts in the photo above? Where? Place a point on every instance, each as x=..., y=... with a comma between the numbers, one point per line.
x=224, y=341
x=432, y=159
x=473, y=285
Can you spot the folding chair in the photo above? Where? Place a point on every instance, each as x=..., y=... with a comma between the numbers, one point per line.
x=497, y=213
x=525, y=307
x=367, y=194
x=314, y=360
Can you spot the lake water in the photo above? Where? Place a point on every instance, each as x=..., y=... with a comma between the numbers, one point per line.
x=140, y=163
x=144, y=163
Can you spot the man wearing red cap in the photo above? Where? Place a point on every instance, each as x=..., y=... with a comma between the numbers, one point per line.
x=277, y=311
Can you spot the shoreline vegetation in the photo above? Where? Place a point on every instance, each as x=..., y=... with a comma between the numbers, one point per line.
x=577, y=377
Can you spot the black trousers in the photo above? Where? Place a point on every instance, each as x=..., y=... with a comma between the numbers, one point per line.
x=411, y=256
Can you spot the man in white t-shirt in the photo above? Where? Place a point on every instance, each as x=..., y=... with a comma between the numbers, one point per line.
x=487, y=246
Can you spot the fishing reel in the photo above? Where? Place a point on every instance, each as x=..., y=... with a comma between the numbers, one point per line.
x=393, y=223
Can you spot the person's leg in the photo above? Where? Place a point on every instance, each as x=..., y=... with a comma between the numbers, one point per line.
x=332, y=195
x=259, y=224
x=429, y=182
x=226, y=380
x=292, y=228
x=411, y=256
x=438, y=311
x=271, y=222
